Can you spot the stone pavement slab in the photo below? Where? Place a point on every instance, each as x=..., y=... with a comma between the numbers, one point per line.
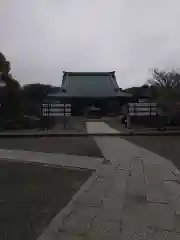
x=135, y=196
x=51, y=158
x=99, y=127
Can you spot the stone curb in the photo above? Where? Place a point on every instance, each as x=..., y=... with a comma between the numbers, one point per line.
x=38, y=135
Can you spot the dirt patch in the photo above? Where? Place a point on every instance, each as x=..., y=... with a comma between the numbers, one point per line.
x=82, y=146
x=31, y=195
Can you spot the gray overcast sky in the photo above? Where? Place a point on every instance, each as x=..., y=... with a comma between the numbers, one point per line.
x=42, y=38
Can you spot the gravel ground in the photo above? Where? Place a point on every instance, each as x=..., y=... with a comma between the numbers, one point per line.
x=116, y=124
x=82, y=146
x=165, y=146
x=31, y=195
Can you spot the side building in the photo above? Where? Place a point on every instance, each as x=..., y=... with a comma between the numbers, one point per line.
x=91, y=93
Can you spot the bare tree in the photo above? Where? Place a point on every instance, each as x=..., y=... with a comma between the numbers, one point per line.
x=164, y=79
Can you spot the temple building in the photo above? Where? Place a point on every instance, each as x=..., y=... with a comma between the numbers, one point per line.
x=91, y=93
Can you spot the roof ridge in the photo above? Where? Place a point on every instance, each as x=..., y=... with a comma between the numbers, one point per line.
x=88, y=73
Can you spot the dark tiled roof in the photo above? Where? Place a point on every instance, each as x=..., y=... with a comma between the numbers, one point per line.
x=86, y=84
x=56, y=89
x=141, y=92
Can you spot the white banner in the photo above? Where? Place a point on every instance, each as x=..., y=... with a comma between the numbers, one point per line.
x=51, y=114
x=68, y=114
x=142, y=109
x=142, y=114
x=142, y=104
x=68, y=110
x=60, y=110
x=68, y=105
x=56, y=105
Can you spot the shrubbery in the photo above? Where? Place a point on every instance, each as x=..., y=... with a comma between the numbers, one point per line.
x=21, y=123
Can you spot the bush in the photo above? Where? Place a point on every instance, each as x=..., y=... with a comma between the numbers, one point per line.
x=21, y=123
x=27, y=123
x=47, y=122
x=11, y=125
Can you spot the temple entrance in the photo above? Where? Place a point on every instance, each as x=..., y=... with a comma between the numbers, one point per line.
x=93, y=112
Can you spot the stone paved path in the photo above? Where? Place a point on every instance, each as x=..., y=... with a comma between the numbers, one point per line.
x=135, y=196
x=99, y=127
x=51, y=158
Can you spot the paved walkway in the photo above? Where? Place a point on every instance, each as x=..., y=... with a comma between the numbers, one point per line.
x=134, y=197
x=63, y=160
x=99, y=127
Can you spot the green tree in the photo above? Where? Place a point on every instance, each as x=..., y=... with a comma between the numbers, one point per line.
x=4, y=64
x=10, y=94
x=144, y=91
x=34, y=95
